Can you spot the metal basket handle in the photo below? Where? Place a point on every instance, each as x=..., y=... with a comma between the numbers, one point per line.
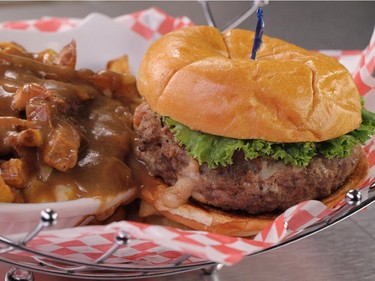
x=236, y=21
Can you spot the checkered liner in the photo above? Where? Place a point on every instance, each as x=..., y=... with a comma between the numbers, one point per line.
x=156, y=245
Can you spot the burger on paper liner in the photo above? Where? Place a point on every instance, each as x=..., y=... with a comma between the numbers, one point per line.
x=231, y=142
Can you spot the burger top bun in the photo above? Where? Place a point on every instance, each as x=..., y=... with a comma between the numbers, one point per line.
x=207, y=81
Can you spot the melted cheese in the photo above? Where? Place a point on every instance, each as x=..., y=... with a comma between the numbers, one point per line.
x=180, y=192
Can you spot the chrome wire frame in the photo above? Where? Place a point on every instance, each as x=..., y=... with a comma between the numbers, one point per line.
x=236, y=21
x=99, y=269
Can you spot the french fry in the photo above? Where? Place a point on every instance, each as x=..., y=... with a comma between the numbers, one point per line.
x=7, y=195
x=30, y=138
x=119, y=65
x=14, y=173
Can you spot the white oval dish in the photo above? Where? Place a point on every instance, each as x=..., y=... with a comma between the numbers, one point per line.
x=21, y=218
x=111, y=40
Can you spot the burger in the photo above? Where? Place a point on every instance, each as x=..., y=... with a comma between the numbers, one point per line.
x=231, y=142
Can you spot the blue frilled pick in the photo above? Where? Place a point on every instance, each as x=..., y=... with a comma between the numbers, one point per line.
x=258, y=33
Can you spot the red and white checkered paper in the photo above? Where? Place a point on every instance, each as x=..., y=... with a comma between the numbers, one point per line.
x=156, y=245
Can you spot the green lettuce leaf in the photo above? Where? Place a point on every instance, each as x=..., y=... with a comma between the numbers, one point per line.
x=217, y=150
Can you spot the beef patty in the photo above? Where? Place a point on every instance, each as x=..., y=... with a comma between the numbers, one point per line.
x=253, y=186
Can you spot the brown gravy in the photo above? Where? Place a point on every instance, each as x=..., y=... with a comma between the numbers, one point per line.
x=70, y=129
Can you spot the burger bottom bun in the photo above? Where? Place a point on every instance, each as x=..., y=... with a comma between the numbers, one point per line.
x=206, y=218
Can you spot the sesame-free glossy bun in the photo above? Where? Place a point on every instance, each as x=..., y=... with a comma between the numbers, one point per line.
x=207, y=81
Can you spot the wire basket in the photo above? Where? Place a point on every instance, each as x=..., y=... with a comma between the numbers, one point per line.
x=100, y=268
